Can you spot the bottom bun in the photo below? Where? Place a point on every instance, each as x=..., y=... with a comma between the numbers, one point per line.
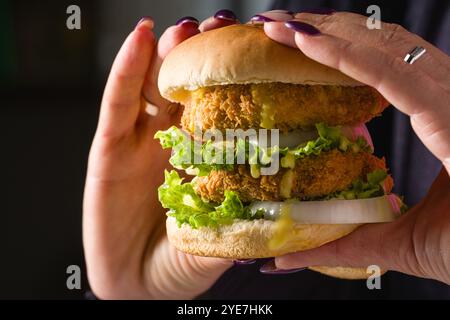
x=250, y=240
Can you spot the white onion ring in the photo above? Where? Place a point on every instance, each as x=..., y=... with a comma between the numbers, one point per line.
x=294, y=138
x=374, y=210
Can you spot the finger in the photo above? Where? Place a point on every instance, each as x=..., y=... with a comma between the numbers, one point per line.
x=390, y=245
x=405, y=86
x=385, y=245
x=221, y=18
x=273, y=15
x=121, y=98
x=392, y=39
x=185, y=28
x=402, y=84
x=341, y=24
x=278, y=32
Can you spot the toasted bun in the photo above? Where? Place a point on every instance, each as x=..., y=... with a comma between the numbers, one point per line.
x=249, y=240
x=239, y=54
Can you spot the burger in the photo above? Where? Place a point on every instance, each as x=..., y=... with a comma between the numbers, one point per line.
x=272, y=155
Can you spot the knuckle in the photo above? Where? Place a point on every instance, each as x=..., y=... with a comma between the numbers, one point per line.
x=344, y=51
x=322, y=22
x=394, y=32
x=325, y=21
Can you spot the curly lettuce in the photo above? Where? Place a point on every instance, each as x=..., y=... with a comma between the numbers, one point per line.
x=189, y=154
x=371, y=188
x=187, y=207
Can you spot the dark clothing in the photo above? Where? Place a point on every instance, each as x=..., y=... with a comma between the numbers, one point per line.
x=413, y=167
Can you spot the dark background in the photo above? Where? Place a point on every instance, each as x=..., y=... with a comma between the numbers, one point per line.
x=51, y=82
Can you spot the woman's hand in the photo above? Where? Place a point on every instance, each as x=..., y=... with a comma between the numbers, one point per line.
x=419, y=242
x=127, y=251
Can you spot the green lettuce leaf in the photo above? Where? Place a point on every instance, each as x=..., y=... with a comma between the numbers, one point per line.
x=186, y=151
x=190, y=154
x=372, y=187
x=187, y=207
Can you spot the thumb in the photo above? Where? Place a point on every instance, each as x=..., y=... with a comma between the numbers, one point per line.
x=173, y=36
x=177, y=275
x=398, y=245
x=386, y=245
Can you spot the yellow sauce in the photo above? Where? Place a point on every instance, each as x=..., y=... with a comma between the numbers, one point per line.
x=268, y=108
x=182, y=96
x=267, y=116
x=288, y=161
x=254, y=171
x=286, y=184
x=283, y=228
x=198, y=94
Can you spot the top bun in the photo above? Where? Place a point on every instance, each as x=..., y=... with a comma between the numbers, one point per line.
x=239, y=54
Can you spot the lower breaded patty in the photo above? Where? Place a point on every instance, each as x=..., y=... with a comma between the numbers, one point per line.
x=280, y=105
x=313, y=176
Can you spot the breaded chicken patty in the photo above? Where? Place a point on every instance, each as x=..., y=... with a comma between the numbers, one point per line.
x=280, y=105
x=313, y=176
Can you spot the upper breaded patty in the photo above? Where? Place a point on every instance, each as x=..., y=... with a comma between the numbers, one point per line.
x=313, y=176
x=280, y=105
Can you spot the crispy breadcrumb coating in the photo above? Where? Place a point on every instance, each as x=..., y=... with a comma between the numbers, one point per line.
x=287, y=106
x=314, y=176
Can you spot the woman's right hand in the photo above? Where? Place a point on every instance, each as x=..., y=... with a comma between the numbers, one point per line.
x=375, y=57
x=418, y=242
x=127, y=252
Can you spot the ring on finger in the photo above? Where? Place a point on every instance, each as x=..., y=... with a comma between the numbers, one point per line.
x=150, y=108
x=414, y=54
x=153, y=110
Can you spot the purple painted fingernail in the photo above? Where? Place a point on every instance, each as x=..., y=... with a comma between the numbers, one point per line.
x=302, y=27
x=187, y=20
x=274, y=15
x=243, y=261
x=326, y=11
x=260, y=18
x=225, y=14
x=271, y=268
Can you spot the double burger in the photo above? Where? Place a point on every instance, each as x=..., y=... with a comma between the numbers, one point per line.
x=298, y=170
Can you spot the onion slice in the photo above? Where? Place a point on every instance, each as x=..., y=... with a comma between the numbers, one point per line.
x=294, y=138
x=355, y=132
x=373, y=210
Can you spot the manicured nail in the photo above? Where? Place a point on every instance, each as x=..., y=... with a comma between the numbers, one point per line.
x=274, y=15
x=147, y=20
x=260, y=18
x=271, y=268
x=187, y=20
x=302, y=27
x=225, y=14
x=244, y=262
x=326, y=11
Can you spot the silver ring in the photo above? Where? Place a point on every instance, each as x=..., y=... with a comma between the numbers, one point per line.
x=415, y=54
x=150, y=108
